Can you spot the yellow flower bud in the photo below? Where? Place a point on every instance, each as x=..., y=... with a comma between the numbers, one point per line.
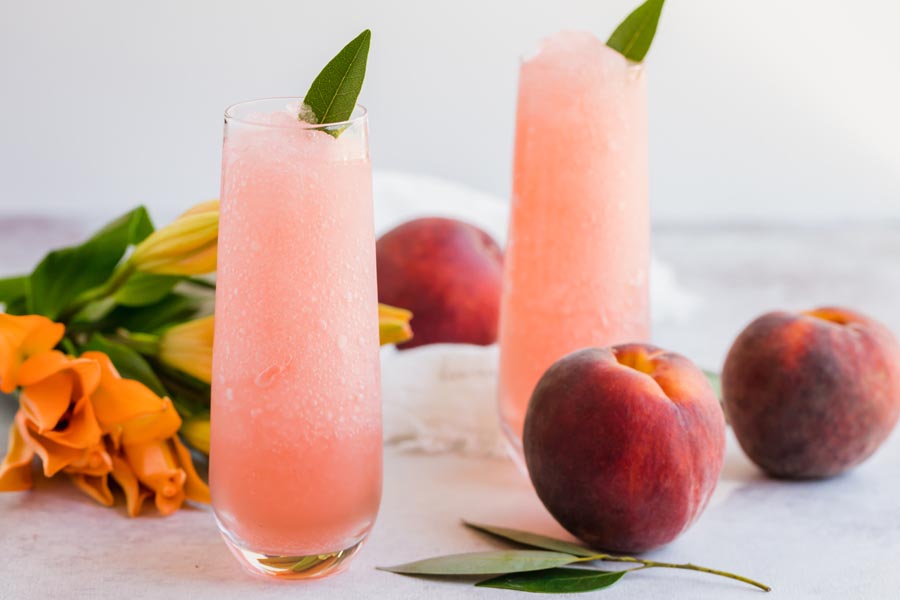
x=393, y=324
x=188, y=347
x=196, y=431
x=187, y=246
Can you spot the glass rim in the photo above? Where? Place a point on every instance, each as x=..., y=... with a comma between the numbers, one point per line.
x=231, y=117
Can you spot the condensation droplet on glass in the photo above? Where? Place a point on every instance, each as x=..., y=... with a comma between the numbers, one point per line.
x=270, y=374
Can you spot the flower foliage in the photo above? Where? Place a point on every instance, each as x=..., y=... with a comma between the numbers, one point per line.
x=108, y=347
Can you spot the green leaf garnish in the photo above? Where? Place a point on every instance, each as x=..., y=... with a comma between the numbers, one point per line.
x=490, y=562
x=633, y=37
x=332, y=95
x=532, y=539
x=555, y=581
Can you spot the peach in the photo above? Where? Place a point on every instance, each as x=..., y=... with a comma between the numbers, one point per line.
x=448, y=273
x=814, y=393
x=624, y=445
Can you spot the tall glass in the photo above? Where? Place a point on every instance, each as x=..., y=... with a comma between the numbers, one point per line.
x=295, y=469
x=578, y=255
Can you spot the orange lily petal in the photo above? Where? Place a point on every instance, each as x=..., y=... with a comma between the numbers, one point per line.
x=81, y=431
x=155, y=467
x=94, y=461
x=124, y=476
x=46, y=401
x=194, y=488
x=117, y=400
x=15, y=472
x=20, y=337
x=41, y=366
x=168, y=504
x=43, y=337
x=55, y=457
x=152, y=427
x=97, y=487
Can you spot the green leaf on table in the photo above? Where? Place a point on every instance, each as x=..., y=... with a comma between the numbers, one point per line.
x=332, y=95
x=485, y=563
x=555, y=581
x=142, y=289
x=129, y=363
x=633, y=37
x=66, y=273
x=12, y=288
x=532, y=539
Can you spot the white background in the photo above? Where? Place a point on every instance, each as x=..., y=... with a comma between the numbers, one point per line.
x=764, y=110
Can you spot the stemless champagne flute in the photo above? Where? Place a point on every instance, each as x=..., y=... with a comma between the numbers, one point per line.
x=578, y=255
x=295, y=468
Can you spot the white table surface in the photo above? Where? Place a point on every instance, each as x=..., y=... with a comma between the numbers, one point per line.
x=832, y=539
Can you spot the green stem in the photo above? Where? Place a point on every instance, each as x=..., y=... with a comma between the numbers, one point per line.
x=144, y=343
x=666, y=565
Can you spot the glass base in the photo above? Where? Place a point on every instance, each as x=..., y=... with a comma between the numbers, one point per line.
x=514, y=448
x=314, y=566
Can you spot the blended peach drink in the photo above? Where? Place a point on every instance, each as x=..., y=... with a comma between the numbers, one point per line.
x=578, y=256
x=295, y=469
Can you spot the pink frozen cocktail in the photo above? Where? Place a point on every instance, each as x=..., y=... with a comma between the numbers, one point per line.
x=295, y=467
x=576, y=271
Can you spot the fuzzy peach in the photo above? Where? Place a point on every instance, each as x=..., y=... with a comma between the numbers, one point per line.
x=448, y=273
x=624, y=445
x=814, y=393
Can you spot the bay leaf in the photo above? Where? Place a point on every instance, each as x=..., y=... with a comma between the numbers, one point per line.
x=485, y=563
x=532, y=539
x=633, y=37
x=332, y=95
x=555, y=581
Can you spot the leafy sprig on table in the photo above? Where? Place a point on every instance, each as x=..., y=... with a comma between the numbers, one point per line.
x=541, y=571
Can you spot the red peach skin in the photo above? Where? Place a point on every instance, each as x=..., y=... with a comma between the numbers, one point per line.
x=448, y=273
x=624, y=445
x=812, y=394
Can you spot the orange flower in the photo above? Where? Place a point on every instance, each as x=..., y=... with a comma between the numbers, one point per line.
x=165, y=467
x=81, y=417
x=56, y=417
x=142, y=430
x=125, y=407
x=15, y=472
x=55, y=421
x=20, y=338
